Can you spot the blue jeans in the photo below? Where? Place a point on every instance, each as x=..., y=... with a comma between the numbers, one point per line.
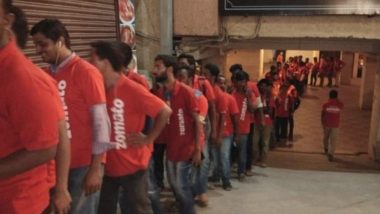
x=200, y=173
x=179, y=179
x=222, y=155
x=81, y=203
x=242, y=146
x=154, y=195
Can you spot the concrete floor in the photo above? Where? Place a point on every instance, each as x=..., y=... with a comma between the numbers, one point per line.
x=300, y=179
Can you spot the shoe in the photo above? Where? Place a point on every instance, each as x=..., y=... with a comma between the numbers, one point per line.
x=227, y=187
x=248, y=173
x=263, y=165
x=326, y=151
x=202, y=200
x=331, y=158
x=241, y=177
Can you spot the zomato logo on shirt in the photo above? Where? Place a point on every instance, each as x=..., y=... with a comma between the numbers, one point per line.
x=181, y=122
x=244, y=109
x=118, y=123
x=61, y=89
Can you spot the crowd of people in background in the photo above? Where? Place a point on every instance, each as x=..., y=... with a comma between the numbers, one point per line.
x=87, y=137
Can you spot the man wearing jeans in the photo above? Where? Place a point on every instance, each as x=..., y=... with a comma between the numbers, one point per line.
x=183, y=148
x=222, y=154
x=330, y=118
x=246, y=101
x=82, y=93
x=127, y=165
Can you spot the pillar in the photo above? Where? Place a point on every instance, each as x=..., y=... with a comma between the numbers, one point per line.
x=347, y=71
x=371, y=64
x=374, y=136
x=166, y=26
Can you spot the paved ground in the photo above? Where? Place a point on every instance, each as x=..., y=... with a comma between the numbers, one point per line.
x=300, y=179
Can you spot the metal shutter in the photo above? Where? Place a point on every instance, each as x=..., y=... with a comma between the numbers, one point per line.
x=86, y=21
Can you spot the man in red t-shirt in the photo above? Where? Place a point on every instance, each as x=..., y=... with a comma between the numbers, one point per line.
x=247, y=104
x=314, y=72
x=223, y=153
x=338, y=66
x=330, y=118
x=200, y=174
x=127, y=165
x=283, y=104
x=82, y=93
x=182, y=131
x=28, y=141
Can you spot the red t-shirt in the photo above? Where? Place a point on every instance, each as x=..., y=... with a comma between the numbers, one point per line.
x=220, y=105
x=203, y=109
x=231, y=110
x=331, y=113
x=138, y=79
x=80, y=86
x=244, y=114
x=202, y=84
x=268, y=107
x=124, y=104
x=179, y=132
x=28, y=121
x=283, y=104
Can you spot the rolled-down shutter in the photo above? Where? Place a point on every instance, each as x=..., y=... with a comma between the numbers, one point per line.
x=86, y=21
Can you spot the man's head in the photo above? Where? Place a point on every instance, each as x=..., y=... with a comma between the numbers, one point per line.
x=50, y=37
x=265, y=86
x=235, y=67
x=184, y=74
x=107, y=57
x=6, y=21
x=315, y=59
x=240, y=80
x=188, y=60
x=222, y=82
x=164, y=66
x=211, y=72
x=333, y=94
x=126, y=50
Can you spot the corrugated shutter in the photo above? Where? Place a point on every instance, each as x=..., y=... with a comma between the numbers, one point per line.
x=86, y=21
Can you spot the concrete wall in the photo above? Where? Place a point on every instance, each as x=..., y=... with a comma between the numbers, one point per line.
x=148, y=32
x=196, y=18
x=307, y=26
x=249, y=58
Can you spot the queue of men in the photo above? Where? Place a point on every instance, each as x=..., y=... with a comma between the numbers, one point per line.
x=87, y=137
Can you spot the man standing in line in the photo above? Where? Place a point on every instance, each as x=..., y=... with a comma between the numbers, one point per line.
x=330, y=118
x=182, y=131
x=28, y=126
x=81, y=88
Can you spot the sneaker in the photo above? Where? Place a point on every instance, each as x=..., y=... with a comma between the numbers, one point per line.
x=263, y=165
x=331, y=158
x=248, y=173
x=241, y=177
x=227, y=187
x=326, y=151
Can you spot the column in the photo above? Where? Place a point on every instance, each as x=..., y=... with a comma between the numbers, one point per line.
x=374, y=136
x=371, y=65
x=347, y=71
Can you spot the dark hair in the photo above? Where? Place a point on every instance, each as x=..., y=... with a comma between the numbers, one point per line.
x=7, y=5
x=333, y=94
x=52, y=29
x=169, y=61
x=189, y=58
x=20, y=26
x=190, y=72
x=126, y=50
x=236, y=67
x=240, y=76
x=266, y=82
x=214, y=70
x=111, y=52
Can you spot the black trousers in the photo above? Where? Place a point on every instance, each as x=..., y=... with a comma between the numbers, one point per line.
x=291, y=126
x=158, y=156
x=248, y=165
x=282, y=127
x=135, y=187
